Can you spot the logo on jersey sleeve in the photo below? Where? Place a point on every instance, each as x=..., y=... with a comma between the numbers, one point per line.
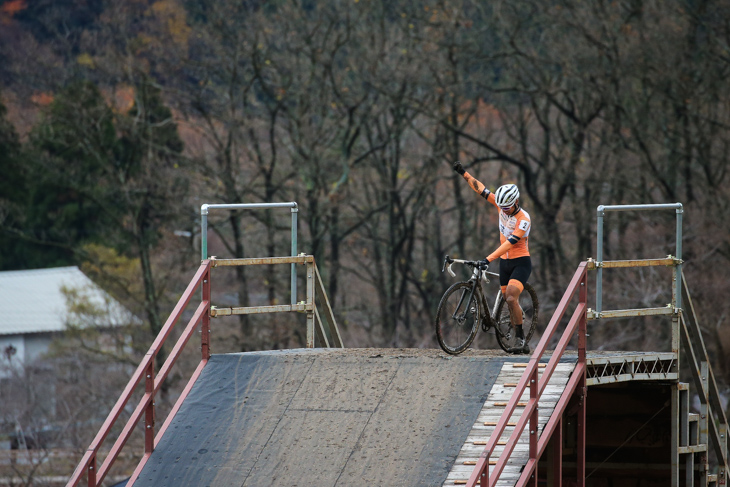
x=524, y=225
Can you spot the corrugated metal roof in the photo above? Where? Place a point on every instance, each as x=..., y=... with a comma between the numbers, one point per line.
x=32, y=301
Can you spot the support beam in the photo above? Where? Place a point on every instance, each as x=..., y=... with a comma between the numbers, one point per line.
x=674, y=435
x=556, y=479
x=581, y=443
x=310, y=304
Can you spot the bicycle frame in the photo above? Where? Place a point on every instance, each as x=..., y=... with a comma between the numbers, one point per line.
x=477, y=276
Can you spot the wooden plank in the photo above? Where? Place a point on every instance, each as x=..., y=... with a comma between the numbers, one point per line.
x=261, y=260
x=470, y=451
x=607, y=264
x=625, y=313
x=508, y=478
x=496, y=413
x=550, y=395
x=214, y=311
x=463, y=470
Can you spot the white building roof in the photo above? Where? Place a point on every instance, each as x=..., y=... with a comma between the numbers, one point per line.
x=32, y=301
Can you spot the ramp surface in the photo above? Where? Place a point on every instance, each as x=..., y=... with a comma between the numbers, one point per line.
x=325, y=418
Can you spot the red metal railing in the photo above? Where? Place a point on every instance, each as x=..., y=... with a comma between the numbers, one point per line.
x=146, y=371
x=537, y=385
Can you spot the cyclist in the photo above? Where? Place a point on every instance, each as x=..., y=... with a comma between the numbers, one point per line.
x=515, y=265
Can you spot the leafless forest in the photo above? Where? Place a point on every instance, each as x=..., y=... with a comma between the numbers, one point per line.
x=119, y=119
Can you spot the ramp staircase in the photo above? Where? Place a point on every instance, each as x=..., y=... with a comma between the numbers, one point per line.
x=517, y=414
x=488, y=419
x=532, y=419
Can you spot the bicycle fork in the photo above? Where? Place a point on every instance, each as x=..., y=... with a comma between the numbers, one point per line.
x=468, y=304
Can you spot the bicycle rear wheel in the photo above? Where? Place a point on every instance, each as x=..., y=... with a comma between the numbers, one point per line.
x=530, y=307
x=457, y=321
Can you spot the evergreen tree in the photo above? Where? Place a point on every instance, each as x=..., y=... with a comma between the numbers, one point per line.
x=12, y=193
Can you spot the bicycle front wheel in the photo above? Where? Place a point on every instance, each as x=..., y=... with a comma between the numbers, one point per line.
x=457, y=318
x=504, y=331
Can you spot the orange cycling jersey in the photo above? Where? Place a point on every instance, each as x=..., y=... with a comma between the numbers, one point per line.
x=513, y=229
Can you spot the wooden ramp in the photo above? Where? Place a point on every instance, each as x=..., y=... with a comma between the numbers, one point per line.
x=492, y=410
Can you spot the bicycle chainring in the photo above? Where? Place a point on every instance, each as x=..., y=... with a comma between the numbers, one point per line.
x=485, y=325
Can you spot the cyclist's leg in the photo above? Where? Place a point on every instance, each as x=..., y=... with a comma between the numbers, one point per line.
x=512, y=296
x=505, y=271
x=520, y=270
x=504, y=274
x=510, y=274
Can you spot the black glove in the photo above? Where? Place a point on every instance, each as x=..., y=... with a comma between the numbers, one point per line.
x=459, y=168
x=484, y=264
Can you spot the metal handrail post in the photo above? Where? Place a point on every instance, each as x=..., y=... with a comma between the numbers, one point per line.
x=203, y=232
x=599, y=260
x=204, y=209
x=294, y=212
x=678, y=251
x=599, y=245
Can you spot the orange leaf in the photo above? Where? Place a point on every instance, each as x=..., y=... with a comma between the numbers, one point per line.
x=42, y=99
x=13, y=7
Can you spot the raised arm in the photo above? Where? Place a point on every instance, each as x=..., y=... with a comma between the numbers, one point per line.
x=475, y=184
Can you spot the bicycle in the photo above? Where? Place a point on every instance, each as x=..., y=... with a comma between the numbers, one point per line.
x=460, y=311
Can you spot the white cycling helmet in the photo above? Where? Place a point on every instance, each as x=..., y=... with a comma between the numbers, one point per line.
x=506, y=195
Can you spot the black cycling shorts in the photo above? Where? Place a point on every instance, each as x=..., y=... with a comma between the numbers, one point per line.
x=519, y=268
